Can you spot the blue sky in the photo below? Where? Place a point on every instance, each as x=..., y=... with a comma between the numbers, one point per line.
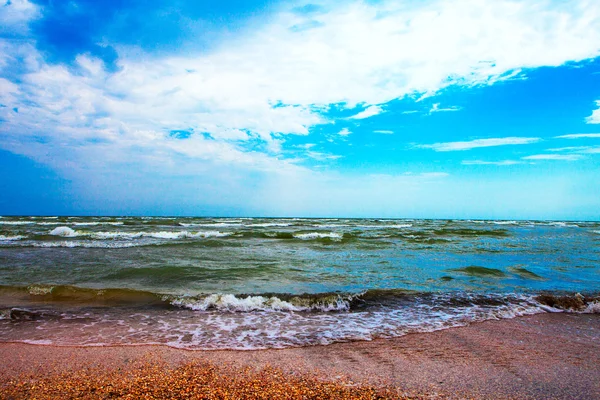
x=435, y=109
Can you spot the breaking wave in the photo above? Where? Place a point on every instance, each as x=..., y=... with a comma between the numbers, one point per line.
x=255, y=321
x=4, y=238
x=69, y=232
x=319, y=235
x=324, y=302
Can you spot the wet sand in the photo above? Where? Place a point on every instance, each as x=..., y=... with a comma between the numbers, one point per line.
x=539, y=357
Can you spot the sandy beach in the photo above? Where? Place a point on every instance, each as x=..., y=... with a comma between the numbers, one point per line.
x=538, y=357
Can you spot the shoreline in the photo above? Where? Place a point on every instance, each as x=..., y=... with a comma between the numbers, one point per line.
x=552, y=355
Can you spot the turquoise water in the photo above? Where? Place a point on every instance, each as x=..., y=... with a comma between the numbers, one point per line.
x=256, y=283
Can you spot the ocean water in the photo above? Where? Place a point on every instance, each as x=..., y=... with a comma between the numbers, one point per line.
x=249, y=283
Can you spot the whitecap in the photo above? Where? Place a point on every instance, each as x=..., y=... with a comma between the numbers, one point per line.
x=11, y=238
x=318, y=235
x=97, y=223
x=268, y=224
x=561, y=224
x=229, y=302
x=89, y=244
x=158, y=235
x=64, y=231
x=211, y=225
x=592, y=308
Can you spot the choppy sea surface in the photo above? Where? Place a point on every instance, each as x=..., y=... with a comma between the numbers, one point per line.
x=250, y=283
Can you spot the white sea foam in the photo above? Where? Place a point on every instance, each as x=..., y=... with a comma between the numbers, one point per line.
x=260, y=322
x=212, y=225
x=69, y=232
x=98, y=223
x=229, y=302
x=185, y=234
x=64, y=231
x=39, y=290
x=11, y=238
x=17, y=222
x=93, y=244
x=267, y=225
x=593, y=308
x=319, y=235
x=79, y=223
x=562, y=224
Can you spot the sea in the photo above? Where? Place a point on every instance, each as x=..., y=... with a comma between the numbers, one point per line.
x=256, y=283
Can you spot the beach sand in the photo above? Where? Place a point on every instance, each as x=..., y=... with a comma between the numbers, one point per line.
x=540, y=357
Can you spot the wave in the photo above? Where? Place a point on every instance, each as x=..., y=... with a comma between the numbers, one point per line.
x=4, y=238
x=93, y=244
x=467, y=232
x=211, y=225
x=65, y=231
x=306, y=302
x=564, y=224
x=204, y=302
x=233, y=303
x=255, y=321
x=319, y=235
x=588, y=304
x=159, y=235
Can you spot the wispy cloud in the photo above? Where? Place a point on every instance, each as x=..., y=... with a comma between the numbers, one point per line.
x=436, y=108
x=579, y=136
x=564, y=157
x=482, y=162
x=319, y=156
x=591, y=150
x=577, y=149
x=477, y=143
x=344, y=132
x=572, y=149
x=368, y=112
x=595, y=117
x=384, y=131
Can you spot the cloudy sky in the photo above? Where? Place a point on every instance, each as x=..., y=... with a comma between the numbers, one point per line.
x=433, y=108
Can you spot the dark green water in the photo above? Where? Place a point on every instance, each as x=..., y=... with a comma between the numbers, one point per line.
x=254, y=283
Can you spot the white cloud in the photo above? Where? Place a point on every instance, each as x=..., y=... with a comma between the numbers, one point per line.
x=271, y=81
x=595, y=117
x=565, y=157
x=15, y=15
x=579, y=136
x=384, y=132
x=477, y=143
x=319, y=156
x=436, y=108
x=344, y=132
x=368, y=112
x=482, y=162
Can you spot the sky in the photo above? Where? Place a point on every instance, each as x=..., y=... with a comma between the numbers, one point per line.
x=395, y=109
